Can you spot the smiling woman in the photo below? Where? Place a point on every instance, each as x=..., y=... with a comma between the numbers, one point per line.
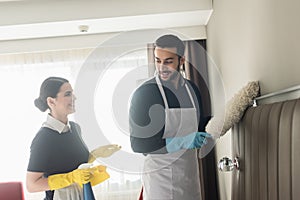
x=20, y=119
x=20, y=78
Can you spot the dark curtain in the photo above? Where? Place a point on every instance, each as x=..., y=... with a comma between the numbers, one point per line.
x=196, y=70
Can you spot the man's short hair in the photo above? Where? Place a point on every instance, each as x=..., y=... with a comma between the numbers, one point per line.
x=171, y=41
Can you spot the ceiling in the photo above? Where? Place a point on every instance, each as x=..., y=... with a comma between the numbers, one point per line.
x=36, y=19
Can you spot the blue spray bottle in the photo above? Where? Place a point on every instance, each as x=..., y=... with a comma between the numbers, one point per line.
x=87, y=188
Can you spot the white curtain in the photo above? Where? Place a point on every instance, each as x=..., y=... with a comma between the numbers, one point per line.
x=20, y=78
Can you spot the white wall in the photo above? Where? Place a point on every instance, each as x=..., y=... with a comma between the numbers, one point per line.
x=253, y=40
x=28, y=26
x=79, y=42
x=27, y=12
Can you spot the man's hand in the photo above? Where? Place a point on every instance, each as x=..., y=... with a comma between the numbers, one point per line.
x=191, y=141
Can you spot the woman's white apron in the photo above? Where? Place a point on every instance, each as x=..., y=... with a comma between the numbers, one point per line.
x=72, y=192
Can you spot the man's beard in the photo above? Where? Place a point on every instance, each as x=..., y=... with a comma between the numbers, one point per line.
x=173, y=76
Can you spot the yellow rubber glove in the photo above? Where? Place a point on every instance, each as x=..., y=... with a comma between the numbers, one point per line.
x=99, y=175
x=103, y=152
x=80, y=176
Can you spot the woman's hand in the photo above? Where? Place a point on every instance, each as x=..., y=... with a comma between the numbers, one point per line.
x=103, y=152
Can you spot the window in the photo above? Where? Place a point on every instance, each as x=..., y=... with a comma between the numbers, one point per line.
x=20, y=78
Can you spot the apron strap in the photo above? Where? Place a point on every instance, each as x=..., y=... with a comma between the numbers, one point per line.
x=190, y=95
x=162, y=92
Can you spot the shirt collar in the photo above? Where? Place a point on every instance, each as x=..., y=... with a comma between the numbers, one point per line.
x=56, y=125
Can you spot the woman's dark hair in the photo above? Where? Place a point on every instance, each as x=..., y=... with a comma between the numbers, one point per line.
x=49, y=88
x=171, y=41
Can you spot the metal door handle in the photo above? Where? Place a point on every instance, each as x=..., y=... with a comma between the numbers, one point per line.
x=226, y=164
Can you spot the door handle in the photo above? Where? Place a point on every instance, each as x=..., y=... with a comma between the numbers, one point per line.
x=226, y=164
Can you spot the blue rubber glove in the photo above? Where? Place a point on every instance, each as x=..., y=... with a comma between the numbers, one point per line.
x=191, y=141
